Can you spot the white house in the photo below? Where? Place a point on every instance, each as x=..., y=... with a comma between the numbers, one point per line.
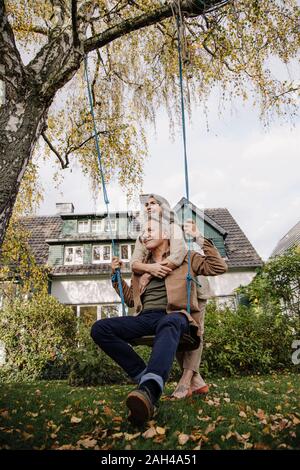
x=78, y=247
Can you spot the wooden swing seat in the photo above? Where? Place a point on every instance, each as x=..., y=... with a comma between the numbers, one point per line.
x=188, y=342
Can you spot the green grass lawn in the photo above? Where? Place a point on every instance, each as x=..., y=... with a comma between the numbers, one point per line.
x=258, y=412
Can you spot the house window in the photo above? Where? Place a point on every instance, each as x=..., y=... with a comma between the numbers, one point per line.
x=96, y=226
x=110, y=311
x=126, y=252
x=101, y=254
x=134, y=225
x=113, y=224
x=83, y=226
x=73, y=255
x=88, y=314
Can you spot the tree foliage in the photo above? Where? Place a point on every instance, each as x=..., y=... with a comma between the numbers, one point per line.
x=231, y=45
x=278, y=283
x=35, y=332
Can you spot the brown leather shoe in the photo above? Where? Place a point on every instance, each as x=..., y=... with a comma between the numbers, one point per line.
x=140, y=406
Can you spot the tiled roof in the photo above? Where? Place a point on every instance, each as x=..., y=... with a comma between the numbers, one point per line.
x=292, y=238
x=41, y=228
x=239, y=250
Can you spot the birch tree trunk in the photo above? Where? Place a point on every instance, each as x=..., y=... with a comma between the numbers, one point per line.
x=30, y=90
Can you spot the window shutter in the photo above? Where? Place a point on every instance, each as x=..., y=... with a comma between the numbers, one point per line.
x=87, y=254
x=56, y=255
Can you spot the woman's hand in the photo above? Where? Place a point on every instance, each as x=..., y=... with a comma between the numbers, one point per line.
x=115, y=264
x=158, y=270
x=190, y=228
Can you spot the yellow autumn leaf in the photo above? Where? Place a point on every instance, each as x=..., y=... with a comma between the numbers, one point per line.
x=160, y=431
x=296, y=421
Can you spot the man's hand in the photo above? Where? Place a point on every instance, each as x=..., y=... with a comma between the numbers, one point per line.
x=190, y=228
x=115, y=264
x=158, y=270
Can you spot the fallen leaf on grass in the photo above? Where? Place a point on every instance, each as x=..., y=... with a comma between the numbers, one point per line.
x=260, y=414
x=66, y=447
x=183, y=438
x=130, y=437
x=31, y=415
x=107, y=411
x=261, y=446
x=87, y=443
x=75, y=420
x=242, y=414
x=160, y=431
x=117, y=419
x=210, y=428
x=150, y=433
x=296, y=421
x=26, y=436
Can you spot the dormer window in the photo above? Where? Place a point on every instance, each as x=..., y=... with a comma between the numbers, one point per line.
x=83, y=226
x=111, y=226
x=101, y=254
x=96, y=226
x=126, y=252
x=73, y=255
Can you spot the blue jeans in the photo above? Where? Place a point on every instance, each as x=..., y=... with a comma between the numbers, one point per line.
x=113, y=334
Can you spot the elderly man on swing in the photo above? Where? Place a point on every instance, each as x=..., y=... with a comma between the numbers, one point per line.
x=160, y=310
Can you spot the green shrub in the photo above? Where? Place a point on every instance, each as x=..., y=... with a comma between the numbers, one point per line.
x=37, y=333
x=91, y=366
x=246, y=341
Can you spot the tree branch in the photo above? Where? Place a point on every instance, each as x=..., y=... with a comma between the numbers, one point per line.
x=146, y=19
x=64, y=163
x=74, y=23
x=64, y=160
x=77, y=147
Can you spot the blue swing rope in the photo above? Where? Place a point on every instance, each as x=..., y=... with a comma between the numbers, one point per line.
x=189, y=277
x=105, y=195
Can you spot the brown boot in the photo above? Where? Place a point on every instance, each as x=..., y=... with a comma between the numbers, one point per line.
x=140, y=406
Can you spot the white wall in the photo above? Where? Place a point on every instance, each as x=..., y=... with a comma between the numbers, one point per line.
x=225, y=284
x=84, y=291
x=95, y=291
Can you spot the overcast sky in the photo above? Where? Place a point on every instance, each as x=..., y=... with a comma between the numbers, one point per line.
x=237, y=164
